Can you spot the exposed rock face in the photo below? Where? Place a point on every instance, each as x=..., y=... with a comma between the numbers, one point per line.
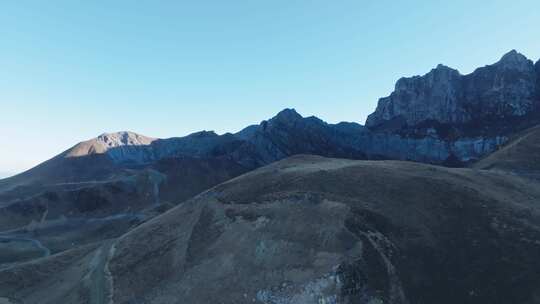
x=129, y=147
x=444, y=116
x=435, y=96
x=108, y=142
x=289, y=133
x=428, y=149
x=506, y=88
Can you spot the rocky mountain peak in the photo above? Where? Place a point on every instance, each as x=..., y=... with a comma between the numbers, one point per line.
x=247, y=132
x=444, y=96
x=515, y=60
x=419, y=98
x=203, y=134
x=444, y=68
x=123, y=138
x=513, y=55
x=440, y=75
x=287, y=115
x=108, y=141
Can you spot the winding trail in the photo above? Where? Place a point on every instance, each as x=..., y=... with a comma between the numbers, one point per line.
x=156, y=178
x=101, y=285
x=156, y=194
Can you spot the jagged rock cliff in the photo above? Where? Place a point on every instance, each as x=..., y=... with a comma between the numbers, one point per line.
x=432, y=96
x=288, y=133
x=502, y=90
x=444, y=116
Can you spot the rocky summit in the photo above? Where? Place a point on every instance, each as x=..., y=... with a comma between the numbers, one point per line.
x=294, y=209
x=504, y=90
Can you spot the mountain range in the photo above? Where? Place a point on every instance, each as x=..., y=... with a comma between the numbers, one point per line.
x=294, y=209
x=442, y=117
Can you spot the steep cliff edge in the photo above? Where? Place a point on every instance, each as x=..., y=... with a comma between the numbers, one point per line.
x=503, y=90
x=460, y=118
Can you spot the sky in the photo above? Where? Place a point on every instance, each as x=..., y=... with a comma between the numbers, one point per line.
x=73, y=69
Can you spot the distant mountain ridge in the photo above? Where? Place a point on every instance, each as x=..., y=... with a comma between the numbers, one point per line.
x=442, y=117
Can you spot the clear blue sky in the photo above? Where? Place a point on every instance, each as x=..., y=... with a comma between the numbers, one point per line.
x=70, y=70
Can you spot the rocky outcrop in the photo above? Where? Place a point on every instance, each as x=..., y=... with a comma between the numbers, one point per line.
x=434, y=96
x=502, y=90
x=499, y=91
x=429, y=149
x=288, y=133
x=107, y=142
x=460, y=117
x=131, y=148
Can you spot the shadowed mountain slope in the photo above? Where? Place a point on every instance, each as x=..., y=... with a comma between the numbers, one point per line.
x=519, y=155
x=310, y=229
